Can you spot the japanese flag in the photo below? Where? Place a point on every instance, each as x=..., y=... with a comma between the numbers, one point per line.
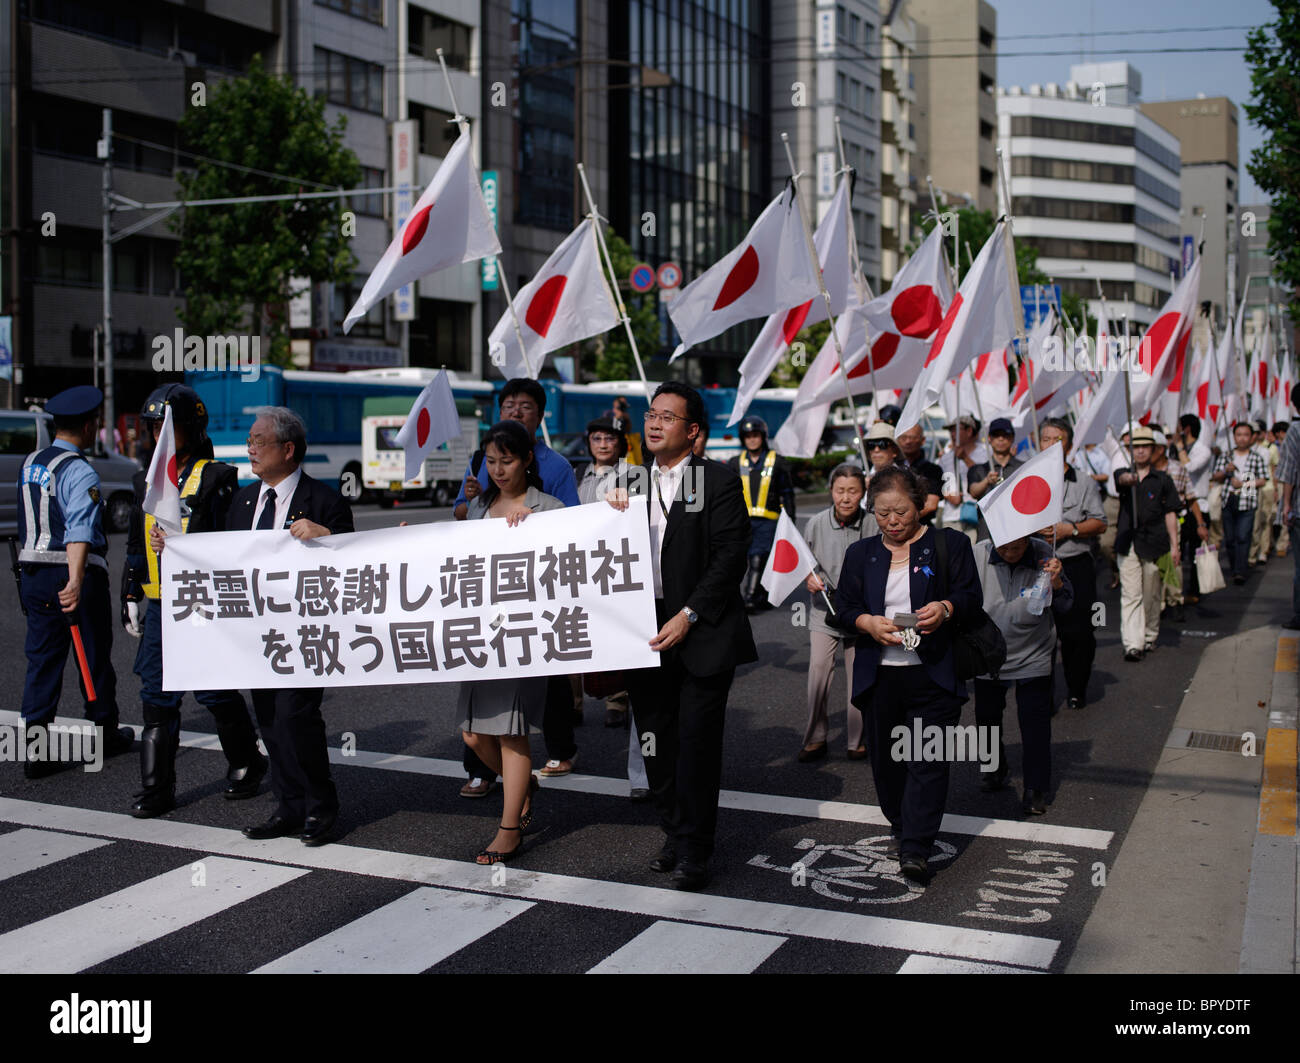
x=832, y=243
x=789, y=563
x=162, y=493
x=449, y=224
x=1164, y=344
x=1105, y=408
x=981, y=318
x=801, y=431
x=769, y=272
x=566, y=301
x=431, y=422
x=1029, y=499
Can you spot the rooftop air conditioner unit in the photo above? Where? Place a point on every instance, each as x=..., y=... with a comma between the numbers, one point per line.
x=1052, y=89
x=1035, y=90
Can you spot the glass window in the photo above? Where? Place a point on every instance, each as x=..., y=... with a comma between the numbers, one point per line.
x=17, y=433
x=427, y=32
x=370, y=10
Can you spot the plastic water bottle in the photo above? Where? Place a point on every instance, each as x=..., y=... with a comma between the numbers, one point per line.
x=1040, y=594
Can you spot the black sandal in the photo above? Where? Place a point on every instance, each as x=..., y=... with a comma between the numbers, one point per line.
x=526, y=818
x=494, y=857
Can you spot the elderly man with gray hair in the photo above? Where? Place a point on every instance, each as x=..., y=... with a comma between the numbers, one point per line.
x=286, y=498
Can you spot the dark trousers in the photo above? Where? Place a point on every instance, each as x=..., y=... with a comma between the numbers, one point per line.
x=293, y=732
x=1238, y=526
x=49, y=639
x=163, y=707
x=1034, y=710
x=679, y=721
x=912, y=793
x=557, y=729
x=1078, y=638
x=1190, y=541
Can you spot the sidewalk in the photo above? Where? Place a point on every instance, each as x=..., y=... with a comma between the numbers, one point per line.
x=1205, y=881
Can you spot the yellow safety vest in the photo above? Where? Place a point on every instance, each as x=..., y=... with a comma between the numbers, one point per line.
x=765, y=477
x=188, y=490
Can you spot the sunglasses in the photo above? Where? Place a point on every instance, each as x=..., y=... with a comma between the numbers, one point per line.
x=879, y=444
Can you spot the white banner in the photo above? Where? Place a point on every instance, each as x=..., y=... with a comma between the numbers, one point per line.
x=565, y=591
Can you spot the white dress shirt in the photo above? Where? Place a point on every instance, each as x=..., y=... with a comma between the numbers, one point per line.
x=665, y=481
x=1200, y=461
x=284, y=491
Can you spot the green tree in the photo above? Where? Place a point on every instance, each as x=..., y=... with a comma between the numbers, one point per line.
x=1273, y=54
x=973, y=228
x=238, y=257
x=613, y=357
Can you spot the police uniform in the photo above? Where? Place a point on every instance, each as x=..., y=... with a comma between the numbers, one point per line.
x=207, y=488
x=767, y=487
x=59, y=503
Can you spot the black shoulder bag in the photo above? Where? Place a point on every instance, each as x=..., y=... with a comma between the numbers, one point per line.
x=978, y=644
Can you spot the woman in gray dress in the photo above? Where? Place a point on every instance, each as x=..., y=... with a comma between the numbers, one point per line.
x=498, y=715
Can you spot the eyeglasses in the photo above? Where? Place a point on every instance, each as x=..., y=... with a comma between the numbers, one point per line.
x=602, y=437
x=879, y=444
x=666, y=419
x=518, y=407
x=261, y=442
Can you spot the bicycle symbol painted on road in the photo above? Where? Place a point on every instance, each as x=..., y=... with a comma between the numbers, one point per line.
x=861, y=872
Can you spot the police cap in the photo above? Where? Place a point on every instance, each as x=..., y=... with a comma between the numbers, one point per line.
x=81, y=401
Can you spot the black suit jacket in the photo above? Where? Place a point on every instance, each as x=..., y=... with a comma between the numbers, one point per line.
x=861, y=591
x=702, y=561
x=312, y=500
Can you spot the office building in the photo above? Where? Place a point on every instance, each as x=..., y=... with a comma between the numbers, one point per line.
x=1095, y=187
x=1207, y=131
x=956, y=77
x=825, y=64
x=899, y=216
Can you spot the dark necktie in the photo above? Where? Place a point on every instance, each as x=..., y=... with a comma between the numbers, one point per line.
x=266, y=521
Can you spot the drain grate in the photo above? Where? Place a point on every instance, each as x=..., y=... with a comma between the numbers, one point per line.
x=1214, y=741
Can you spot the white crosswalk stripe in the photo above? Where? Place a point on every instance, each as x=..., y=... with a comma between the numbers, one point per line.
x=680, y=948
x=91, y=933
x=946, y=965
x=26, y=849
x=405, y=937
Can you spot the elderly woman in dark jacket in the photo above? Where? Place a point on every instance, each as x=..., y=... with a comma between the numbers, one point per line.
x=905, y=674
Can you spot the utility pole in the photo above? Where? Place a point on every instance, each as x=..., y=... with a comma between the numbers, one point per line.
x=105, y=149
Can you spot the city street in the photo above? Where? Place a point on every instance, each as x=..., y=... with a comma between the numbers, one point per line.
x=802, y=882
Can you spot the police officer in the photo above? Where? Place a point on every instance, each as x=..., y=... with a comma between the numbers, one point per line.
x=64, y=574
x=207, y=488
x=766, y=483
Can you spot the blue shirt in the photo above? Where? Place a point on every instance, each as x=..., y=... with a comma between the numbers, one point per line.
x=555, y=471
x=82, y=516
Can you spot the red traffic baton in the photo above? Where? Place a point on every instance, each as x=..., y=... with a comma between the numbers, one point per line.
x=82, y=663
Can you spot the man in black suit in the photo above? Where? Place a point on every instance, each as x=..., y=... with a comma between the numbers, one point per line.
x=290, y=719
x=699, y=535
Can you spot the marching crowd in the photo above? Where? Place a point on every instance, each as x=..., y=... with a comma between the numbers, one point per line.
x=924, y=607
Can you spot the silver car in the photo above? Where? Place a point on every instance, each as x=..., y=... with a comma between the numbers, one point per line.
x=24, y=431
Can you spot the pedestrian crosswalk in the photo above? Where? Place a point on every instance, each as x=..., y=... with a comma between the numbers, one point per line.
x=666, y=931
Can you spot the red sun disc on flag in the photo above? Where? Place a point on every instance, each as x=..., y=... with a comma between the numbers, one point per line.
x=936, y=345
x=1155, y=341
x=916, y=311
x=415, y=229
x=882, y=350
x=785, y=557
x=794, y=322
x=172, y=474
x=422, y=427
x=542, y=306
x=741, y=278
x=1031, y=495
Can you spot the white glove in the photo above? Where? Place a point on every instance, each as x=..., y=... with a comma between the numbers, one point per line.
x=134, y=622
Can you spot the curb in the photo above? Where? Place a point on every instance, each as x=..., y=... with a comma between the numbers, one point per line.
x=1270, y=940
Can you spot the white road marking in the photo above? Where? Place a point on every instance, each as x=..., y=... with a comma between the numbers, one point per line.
x=775, y=804
x=942, y=965
x=405, y=937
x=683, y=948
x=912, y=936
x=26, y=850
x=99, y=930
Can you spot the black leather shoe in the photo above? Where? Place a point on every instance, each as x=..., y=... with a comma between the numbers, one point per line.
x=148, y=805
x=319, y=829
x=118, y=740
x=665, y=861
x=1132, y=656
x=917, y=868
x=245, y=782
x=1035, y=804
x=993, y=780
x=1075, y=703
x=275, y=827
x=690, y=877
x=1293, y=624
